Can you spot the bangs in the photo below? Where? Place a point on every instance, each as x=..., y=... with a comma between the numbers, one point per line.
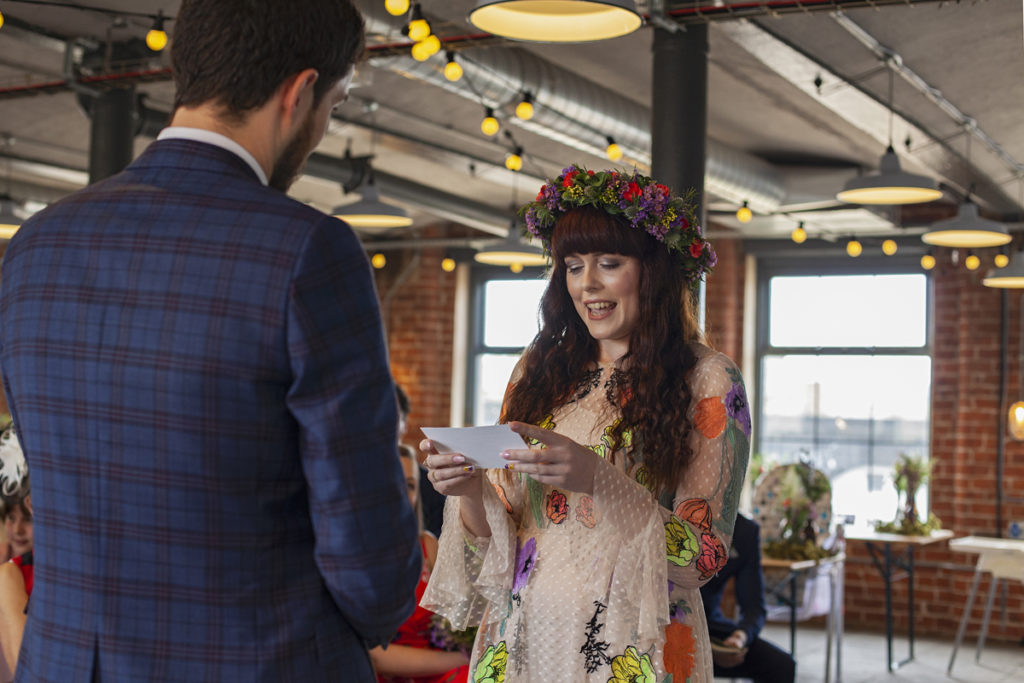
x=589, y=230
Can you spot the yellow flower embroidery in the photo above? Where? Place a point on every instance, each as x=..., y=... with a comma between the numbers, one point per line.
x=632, y=667
x=491, y=667
x=681, y=543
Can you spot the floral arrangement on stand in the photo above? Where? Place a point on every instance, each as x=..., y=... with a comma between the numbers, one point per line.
x=444, y=637
x=803, y=491
x=908, y=474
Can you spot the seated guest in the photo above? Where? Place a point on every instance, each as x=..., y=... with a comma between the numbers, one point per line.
x=431, y=502
x=410, y=658
x=15, y=575
x=754, y=658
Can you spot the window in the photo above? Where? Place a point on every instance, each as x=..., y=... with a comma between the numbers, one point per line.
x=845, y=370
x=507, y=320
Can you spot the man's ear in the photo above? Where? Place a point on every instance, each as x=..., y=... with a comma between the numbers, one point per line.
x=297, y=95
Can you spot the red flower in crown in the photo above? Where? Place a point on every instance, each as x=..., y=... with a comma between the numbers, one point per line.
x=632, y=191
x=540, y=194
x=590, y=173
x=663, y=188
x=569, y=177
x=695, y=249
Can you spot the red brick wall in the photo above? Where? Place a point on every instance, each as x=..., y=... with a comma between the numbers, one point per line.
x=418, y=305
x=724, y=302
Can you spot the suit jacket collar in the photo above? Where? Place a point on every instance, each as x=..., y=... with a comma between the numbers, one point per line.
x=191, y=155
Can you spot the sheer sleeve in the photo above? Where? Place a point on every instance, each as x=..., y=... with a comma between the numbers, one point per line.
x=687, y=545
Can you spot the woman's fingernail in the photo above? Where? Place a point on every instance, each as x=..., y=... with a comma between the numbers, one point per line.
x=467, y=468
x=506, y=454
x=458, y=459
x=510, y=466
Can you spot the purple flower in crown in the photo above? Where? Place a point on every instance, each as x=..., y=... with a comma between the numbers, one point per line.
x=737, y=407
x=526, y=557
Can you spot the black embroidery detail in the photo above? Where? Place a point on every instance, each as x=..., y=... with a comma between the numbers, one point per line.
x=615, y=383
x=594, y=650
x=590, y=380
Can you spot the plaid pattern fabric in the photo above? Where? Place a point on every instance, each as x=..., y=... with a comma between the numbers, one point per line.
x=197, y=370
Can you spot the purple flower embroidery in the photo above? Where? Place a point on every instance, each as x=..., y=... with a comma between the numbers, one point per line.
x=737, y=407
x=526, y=556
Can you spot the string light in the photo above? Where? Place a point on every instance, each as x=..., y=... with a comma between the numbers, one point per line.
x=972, y=262
x=396, y=8
x=378, y=260
x=156, y=39
x=799, y=235
x=420, y=51
x=1001, y=260
x=1, y=19
x=854, y=248
x=516, y=267
x=489, y=126
x=418, y=26
x=524, y=110
x=452, y=70
x=613, y=151
x=514, y=161
x=744, y=214
x=889, y=247
x=448, y=264
x=928, y=261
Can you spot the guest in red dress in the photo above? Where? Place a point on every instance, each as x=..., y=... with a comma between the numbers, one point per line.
x=16, y=575
x=411, y=658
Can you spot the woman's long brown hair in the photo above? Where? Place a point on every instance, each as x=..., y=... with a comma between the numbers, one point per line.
x=659, y=355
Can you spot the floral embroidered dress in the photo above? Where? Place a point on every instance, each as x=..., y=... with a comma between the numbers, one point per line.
x=572, y=587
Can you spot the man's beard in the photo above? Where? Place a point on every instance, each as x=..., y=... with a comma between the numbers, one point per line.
x=292, y=160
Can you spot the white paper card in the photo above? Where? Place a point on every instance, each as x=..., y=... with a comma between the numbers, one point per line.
x=482, y=446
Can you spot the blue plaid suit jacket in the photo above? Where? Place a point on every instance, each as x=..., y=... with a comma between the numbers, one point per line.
x=196, y=367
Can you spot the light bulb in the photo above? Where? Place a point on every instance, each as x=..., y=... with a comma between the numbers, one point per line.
x=1016, y=420
x=613, y=151
x=928, y=261
x=156, y=40
x=744, y=214
x=420, y=51
x=854, y=248
x=452, y=70
x=799, y=235
x=972, y=262
x=516, y=267
x=524, y=110
x=1001, y=260
x=1, y=18
x=396, y=8
x=379, y=260
x=514, y=162
x=432, y=44
x=418, y=30
x=490, y=125
x=889, y=247
x=448, y=265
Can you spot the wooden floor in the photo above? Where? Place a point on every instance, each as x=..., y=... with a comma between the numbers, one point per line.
x=863, y=658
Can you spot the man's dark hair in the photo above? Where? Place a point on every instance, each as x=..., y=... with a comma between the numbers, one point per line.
x=237, y=53
x=404, y=404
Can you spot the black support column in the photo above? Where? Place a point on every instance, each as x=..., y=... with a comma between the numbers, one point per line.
x=679, y=109
x=112, y=134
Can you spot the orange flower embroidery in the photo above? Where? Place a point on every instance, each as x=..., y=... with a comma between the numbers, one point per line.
x=710, y=417
x=679, y=651
x=558, y=507
x=697, y=512
x=501, y=496
x=585, y=512
x=712, y=556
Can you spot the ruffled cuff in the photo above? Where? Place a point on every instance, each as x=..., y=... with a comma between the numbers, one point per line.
x=471, y=571
x=639, y=582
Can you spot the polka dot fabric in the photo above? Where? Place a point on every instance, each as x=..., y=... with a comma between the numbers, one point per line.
x=573, y=587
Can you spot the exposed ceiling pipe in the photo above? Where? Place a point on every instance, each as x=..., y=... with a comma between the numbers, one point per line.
x=577, y=112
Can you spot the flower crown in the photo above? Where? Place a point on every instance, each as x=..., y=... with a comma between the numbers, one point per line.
x=645, y=204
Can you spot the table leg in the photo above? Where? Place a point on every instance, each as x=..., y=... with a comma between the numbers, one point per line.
x=984, y=620
x=840, y=621
x=888, y=605
x=830, y=623
x=963, y=619
x=910, y=601
x=792, y=615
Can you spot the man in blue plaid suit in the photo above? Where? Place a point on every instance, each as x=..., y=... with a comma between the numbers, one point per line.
x=196, y=367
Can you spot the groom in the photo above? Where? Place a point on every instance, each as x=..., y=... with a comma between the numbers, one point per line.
x=196, y=367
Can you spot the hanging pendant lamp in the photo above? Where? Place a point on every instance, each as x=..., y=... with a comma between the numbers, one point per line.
x=512, y=251
x=891, y=185
x=556, y=21
x=371, y=212
x=1010, y=277
x=9, y=221
x=967, y=230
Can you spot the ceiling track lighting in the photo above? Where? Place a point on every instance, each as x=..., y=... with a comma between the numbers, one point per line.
x=744, y=214
x=556, y=21
x=524, y=110
x=452, y=69
x=156, y=38
x=891, y=185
